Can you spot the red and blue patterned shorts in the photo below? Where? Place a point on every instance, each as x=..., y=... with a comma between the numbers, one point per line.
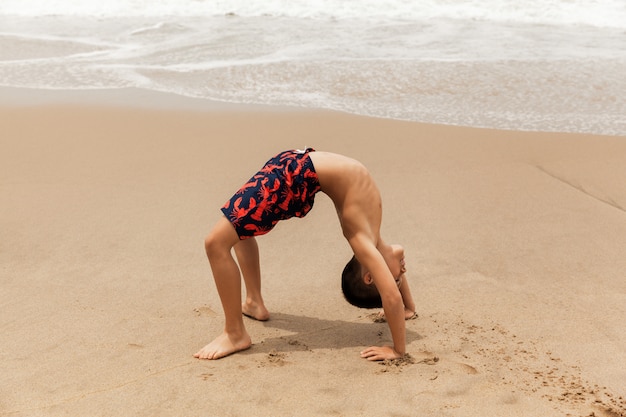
x=285, y=187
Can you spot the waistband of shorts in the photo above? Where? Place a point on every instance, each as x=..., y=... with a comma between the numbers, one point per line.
x=303, y=151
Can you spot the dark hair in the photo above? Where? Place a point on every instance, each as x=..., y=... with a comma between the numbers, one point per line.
x=355, y=290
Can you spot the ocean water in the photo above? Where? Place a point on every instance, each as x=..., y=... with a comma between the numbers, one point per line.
x=551, y=65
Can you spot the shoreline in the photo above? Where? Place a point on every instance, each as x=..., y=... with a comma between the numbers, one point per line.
x=120, y=97
x=514, y=248
x=139, y=98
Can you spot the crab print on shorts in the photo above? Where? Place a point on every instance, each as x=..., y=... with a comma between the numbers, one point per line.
x=285, y=187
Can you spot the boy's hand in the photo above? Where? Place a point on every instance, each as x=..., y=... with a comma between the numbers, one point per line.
x=380, y=353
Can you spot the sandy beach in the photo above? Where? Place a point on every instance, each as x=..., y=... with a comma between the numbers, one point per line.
x=515, y=248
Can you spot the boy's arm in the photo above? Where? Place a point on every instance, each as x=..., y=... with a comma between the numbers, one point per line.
x=407, y=298
x=371, y=259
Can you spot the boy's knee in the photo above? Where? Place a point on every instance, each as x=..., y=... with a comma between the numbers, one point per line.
x=211, y=243
x=214, y=244
x=221, y=239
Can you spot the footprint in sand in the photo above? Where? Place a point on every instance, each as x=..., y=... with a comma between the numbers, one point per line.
x=275, y=358
x=204, y=311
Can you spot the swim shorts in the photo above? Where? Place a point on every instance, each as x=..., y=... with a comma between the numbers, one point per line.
x=285, y=187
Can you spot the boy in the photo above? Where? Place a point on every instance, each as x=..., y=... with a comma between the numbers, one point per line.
x=285, y=187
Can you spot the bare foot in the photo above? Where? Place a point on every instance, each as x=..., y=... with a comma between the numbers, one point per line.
x=255, y=311
x=224, y=345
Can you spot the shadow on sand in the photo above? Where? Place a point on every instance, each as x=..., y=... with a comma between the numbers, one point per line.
x=309, y=333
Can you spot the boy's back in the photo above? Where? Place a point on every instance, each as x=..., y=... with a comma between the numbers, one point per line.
x=350, y=186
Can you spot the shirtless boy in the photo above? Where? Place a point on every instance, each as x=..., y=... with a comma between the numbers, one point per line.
x=285, y=187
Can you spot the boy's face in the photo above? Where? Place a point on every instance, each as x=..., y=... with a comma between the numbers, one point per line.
x=396, y=263
x=394, y=258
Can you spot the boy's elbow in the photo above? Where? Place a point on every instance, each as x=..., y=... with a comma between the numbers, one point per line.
x=392, y=299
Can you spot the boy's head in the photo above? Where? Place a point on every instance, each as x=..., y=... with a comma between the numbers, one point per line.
x=355, y=290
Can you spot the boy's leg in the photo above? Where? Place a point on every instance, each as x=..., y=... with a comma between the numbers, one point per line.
x=247, y=252
x=218, y=245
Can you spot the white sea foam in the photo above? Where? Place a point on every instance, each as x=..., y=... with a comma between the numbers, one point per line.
x=604, y=13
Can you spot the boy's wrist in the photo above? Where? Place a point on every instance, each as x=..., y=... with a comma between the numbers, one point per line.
x=399, y=353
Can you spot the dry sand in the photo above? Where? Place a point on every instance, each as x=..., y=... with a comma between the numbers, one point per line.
x=515, y=244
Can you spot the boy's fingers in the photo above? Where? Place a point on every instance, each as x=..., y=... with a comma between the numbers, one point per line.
x=367, y=353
